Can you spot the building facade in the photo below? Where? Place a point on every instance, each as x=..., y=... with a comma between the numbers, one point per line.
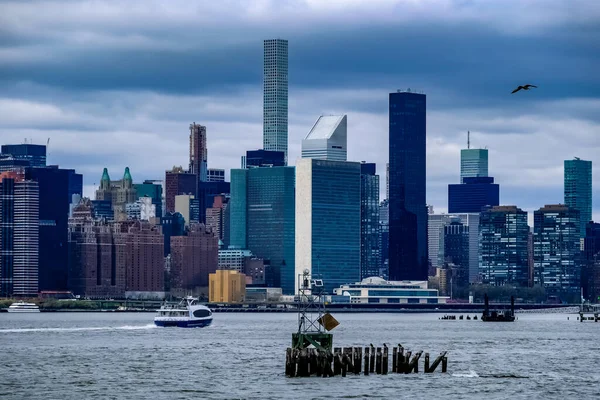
x=193, y=257
x=328, y=205
x=473, y=195
x=215, y=215
x=384, y=238
x=227, y=286
x=33, y=154
x=503, y=235
x=327, y=139
x=275, y=96
x=145, y=262
x=578, y=189
x=556, y=250
x=215, y=175
x=456, y=251
x=591, y=263
x=370, y=240
x=19, y=236
x=198, y=152
x=178, y=181
x=263, y=158
x=375, y=290
x=473, y=163
x=407, y=203
x=154, y=190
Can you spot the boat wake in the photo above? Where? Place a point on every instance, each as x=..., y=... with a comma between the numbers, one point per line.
x=83, y=329
x=470, y=374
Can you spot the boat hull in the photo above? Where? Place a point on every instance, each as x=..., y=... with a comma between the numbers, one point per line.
x=184, y=324
x=22, y=311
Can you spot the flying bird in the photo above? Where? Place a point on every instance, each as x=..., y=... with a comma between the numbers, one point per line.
x=526, y=87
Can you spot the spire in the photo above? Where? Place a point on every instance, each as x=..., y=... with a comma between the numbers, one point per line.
x=105, y=181
x=127, y=175
x=105, y=176
x=468, y=139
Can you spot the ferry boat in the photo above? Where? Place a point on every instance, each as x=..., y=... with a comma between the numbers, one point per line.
x=188, y=313
x=22, y=307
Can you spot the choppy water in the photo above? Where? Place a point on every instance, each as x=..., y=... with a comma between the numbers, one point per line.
x=123, y=356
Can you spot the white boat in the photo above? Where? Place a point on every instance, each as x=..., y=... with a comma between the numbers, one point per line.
x=188, y=313
x=22, y=307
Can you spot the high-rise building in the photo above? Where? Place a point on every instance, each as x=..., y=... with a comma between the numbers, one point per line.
x=56, y=187
x=327, y=139
x=436, y=244
x=262, y=218
x=578, y=189
x=503, y=235
x=473, y=195
x=120, y=193
x=407, y=204
x=387, y=181
x=328, y=205
x=263, y=158
x=370, y=241
x=215, y=215
x=189, y=207
x=19, y=236
x=178, y=181
x=206, y=195
x=456, y=251
x=193, y=257
x=234, y=259
x=384, y=238
x=473, y=163
x=33, y=154
x=275, y=92
x=145, y=264
x=591, y=263
x=215, y=175
x=173, y=224
x=198, y=152
x=154, y=190
x=557, y=250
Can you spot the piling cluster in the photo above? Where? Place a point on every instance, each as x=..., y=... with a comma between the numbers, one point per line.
x=353, y=360
x=453, y=317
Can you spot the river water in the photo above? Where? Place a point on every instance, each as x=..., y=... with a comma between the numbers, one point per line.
x=123, y=356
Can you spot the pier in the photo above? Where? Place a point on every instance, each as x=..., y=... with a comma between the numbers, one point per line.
x=589, y=312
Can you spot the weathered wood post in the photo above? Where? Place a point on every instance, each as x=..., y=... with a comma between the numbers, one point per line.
x=372, y=361
x=395, y=360
x=366, y=370
x=319, y=366
x=303, y=363
x=378, y=362
x=400, y=362
x=337, y=362
x=406, y=362
x=288, y=361
x=444, y=364
x=426, y=368
x=385, y=360
x=357, y=360
x=329, y=361
x=345, y=362
x=314, y=362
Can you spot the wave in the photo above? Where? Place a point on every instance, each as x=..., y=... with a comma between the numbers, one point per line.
x=83, y=329
x=470, y=374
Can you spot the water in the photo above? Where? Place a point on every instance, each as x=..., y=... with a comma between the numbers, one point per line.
x=123, y=356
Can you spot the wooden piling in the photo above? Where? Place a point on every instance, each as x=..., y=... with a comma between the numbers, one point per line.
x=357, y=360
x=337, y=362
x=372, y=360
x=395, y=359
x=345, y=362
x=406, y=362
x=303, y=361
x=385, y=361
x=426, y=368
x=328, y=368
x=366, y=360
x=444, y=364
x=400, y=362
x=378, y=362
x=288, y=361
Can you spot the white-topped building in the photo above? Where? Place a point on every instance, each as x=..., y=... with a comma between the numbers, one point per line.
x=327, y=140
x=375, y=290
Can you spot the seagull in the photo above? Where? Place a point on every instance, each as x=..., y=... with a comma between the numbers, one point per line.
x=526, y=87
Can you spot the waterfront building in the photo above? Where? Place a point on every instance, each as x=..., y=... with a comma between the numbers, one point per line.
x=473, y=195
x=556, y=250
x=275, y=92
x=178, y=181
x=456, y=251
x=370, y=240
x=227, y=286
x=328, y=205
x=578, y=189
x=327, y=139
x=215, y=175
x=375, y=290
x=503, y=233
x=407, y=204
x=198, y=152
x=384, y=238
x=33, y=154
x=19, y=236
x=193, y=257
x=473, y=163
x=154, y=190
x=436, y=244
x=263, y=294
x=145, y=263
x=591, y=263
x=255, y=271
x=233, y=258
x=262, y=218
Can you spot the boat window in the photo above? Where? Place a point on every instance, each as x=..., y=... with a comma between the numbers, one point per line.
x=201, y=313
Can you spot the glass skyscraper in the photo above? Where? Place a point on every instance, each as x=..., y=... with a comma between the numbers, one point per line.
x=473, y=163
x=328, y=229
x=503, y=255
x=578, y=190
x=370, y=250
x=556, y=249
x=407, y=204
x=275, y=95
x=262, y=218
x=473, y=194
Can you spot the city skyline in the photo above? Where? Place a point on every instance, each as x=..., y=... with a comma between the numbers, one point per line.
x=125, y=116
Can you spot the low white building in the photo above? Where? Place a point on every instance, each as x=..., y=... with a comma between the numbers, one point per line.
x=233, y=259
x=375, y=290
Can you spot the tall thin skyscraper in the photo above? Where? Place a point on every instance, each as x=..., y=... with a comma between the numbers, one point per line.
x=198, y=152
x=370, y=249
x=473, y=162
x=407, y=204
x=275, y=95
x=578, y=189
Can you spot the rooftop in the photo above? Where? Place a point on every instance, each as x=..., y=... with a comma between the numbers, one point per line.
x=325, y=127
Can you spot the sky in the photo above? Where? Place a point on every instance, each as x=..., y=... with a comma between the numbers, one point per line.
x=115, y=84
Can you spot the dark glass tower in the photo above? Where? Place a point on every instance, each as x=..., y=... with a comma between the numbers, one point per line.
x=407, y=205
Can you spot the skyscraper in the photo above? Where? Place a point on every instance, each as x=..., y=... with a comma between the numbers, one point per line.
x=456, y=251
x=198, y=152
x=261, y=213
x=275, y=95
x=407, y=204
x=370, y=249
x=328, y=205
x=578, y=189
x=473, y=163
x=34, y=154
x=556, y=250
x=327, y=139
x=503, y=236
x=193, y=257
x=178, y=181
x=473, y=194
x=215, y=175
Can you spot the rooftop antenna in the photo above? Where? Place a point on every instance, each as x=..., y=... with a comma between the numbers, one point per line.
x=468, y=139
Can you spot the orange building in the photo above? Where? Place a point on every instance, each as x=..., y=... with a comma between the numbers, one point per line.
x=227, y=286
